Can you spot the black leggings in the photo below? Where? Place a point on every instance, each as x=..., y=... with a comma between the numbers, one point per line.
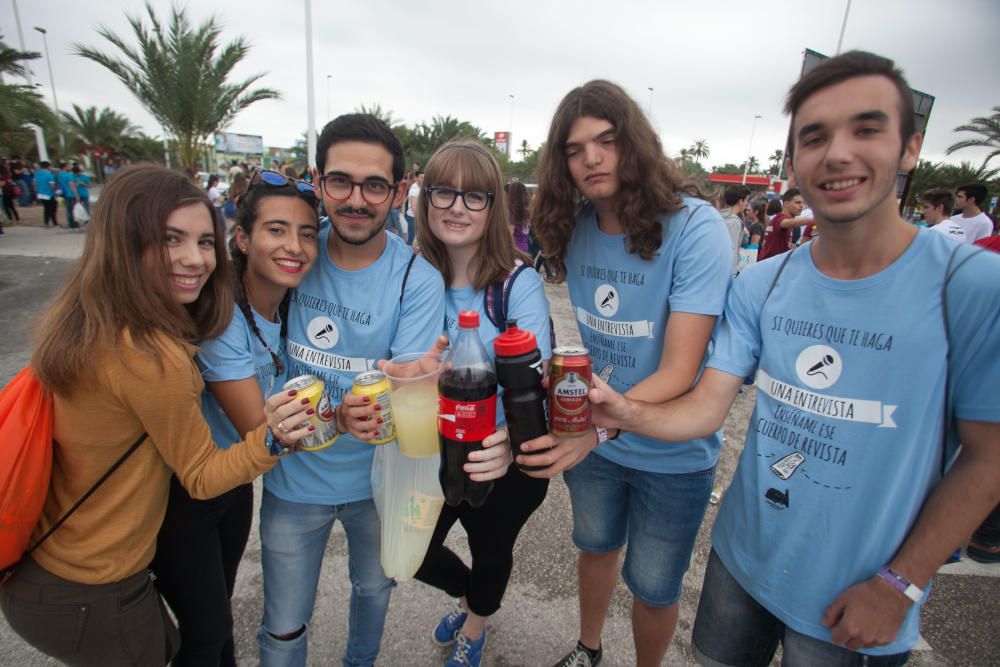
x=198, y=551
x=492, y=530
x=9, y=209
x=49, y=213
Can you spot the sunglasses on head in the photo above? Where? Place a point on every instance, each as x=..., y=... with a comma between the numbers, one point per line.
x=277, y=180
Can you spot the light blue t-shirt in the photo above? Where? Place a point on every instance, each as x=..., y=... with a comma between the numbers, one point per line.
x=339, y=324
x=527, y=304
x=845, y=442
x=44, y=181
x=622, y=302
x=236, y=355
x=82, y=183
x=65, y=178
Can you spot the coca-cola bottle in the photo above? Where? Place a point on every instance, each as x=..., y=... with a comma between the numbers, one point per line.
x=467, y=411
x=519, y=371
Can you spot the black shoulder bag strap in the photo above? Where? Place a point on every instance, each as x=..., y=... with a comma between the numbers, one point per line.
x=110, y=471
x=406, y=276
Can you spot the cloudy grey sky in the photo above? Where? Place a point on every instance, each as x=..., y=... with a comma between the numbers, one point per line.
x=712, y=64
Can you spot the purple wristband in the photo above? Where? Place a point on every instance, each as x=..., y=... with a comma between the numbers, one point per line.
x=901, y=583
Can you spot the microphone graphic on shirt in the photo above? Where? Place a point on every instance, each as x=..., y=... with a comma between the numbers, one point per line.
x=608, y=299
x=817, y=368
x=322, y=333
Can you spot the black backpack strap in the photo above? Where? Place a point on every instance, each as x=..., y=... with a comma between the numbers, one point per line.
x=950, y=270
x=781, y=269
x=497, y=298
x=110, y=471
x=406, y=276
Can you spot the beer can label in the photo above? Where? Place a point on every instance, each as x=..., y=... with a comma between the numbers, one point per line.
x=467, y=421
x=571, y=394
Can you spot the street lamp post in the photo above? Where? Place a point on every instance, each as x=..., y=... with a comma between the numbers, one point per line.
x=510, y=126
x=52, y=79
x=328, y=77
x=310, y=92
x=843, y=27
x=746, y=166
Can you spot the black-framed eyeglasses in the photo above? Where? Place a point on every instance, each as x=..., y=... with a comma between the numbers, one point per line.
x=341, y=187
x=474, y=200
x=278, y=180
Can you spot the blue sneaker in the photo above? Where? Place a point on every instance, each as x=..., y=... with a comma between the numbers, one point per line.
x=447, y=629
x=467, y=652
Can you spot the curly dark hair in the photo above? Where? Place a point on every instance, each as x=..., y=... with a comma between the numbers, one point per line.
x=651, y=184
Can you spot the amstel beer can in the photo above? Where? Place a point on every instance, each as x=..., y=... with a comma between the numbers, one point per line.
x=569, y=383
x=376, y=385
x=311, y=387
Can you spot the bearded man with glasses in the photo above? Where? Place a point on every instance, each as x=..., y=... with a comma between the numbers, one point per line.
x=367, y=298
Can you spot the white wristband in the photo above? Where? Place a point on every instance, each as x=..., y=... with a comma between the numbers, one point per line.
x=602, y=434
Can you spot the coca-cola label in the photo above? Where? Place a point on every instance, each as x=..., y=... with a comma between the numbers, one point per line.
x=467, y=421
x=570, y=394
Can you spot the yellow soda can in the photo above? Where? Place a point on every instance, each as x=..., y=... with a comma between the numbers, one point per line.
x=376, y=385
x=325, y=434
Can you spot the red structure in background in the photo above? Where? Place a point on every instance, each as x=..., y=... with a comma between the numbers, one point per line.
x=755, y=183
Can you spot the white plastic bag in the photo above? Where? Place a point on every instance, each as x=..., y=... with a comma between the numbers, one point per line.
x=80, y=213
x=408, y=499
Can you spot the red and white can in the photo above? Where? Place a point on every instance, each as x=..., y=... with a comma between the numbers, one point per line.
x=569, y=384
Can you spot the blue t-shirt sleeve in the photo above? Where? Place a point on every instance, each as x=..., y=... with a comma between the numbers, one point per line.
x=230, y=356
x=704, y=265
x=737, y=342
x=974, y=318
x=421, y=317
x=530, y=307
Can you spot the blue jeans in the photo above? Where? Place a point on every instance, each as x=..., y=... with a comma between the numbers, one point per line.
x=411, y=229
x=70, y=202
x=656, y=514
x=732, y=629
x=293, y=537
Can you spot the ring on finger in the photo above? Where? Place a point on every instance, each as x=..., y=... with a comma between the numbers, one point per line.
x=281, y=427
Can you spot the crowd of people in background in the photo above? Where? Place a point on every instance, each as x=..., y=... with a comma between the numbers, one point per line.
x=45, y=184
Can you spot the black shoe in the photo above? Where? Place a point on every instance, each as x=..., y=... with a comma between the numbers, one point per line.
x=581, y=656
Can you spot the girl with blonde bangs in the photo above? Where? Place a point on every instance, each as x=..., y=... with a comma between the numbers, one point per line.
x=462, y=229
x=116, y=349
x=474, y=168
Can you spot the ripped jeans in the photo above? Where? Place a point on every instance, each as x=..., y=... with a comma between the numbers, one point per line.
x=293, y=538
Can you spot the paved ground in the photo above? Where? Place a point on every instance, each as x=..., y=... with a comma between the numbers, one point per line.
x=538, y=622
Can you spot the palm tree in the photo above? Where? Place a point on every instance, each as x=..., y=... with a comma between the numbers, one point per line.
x=775, y=160
x=684, y=155
x=19, y=104
x=699, y=149
x=754, y=165
x=988, y=128
x=524, y=150
x=179, y=73
x=94, y=132
x=384, y=115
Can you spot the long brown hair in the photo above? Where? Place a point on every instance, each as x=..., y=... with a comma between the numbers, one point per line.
x=467, y=164
x=650, y=182
x=120, y=283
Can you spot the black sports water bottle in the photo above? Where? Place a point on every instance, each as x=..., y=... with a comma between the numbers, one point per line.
x=519, y=371
x=467, y=411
